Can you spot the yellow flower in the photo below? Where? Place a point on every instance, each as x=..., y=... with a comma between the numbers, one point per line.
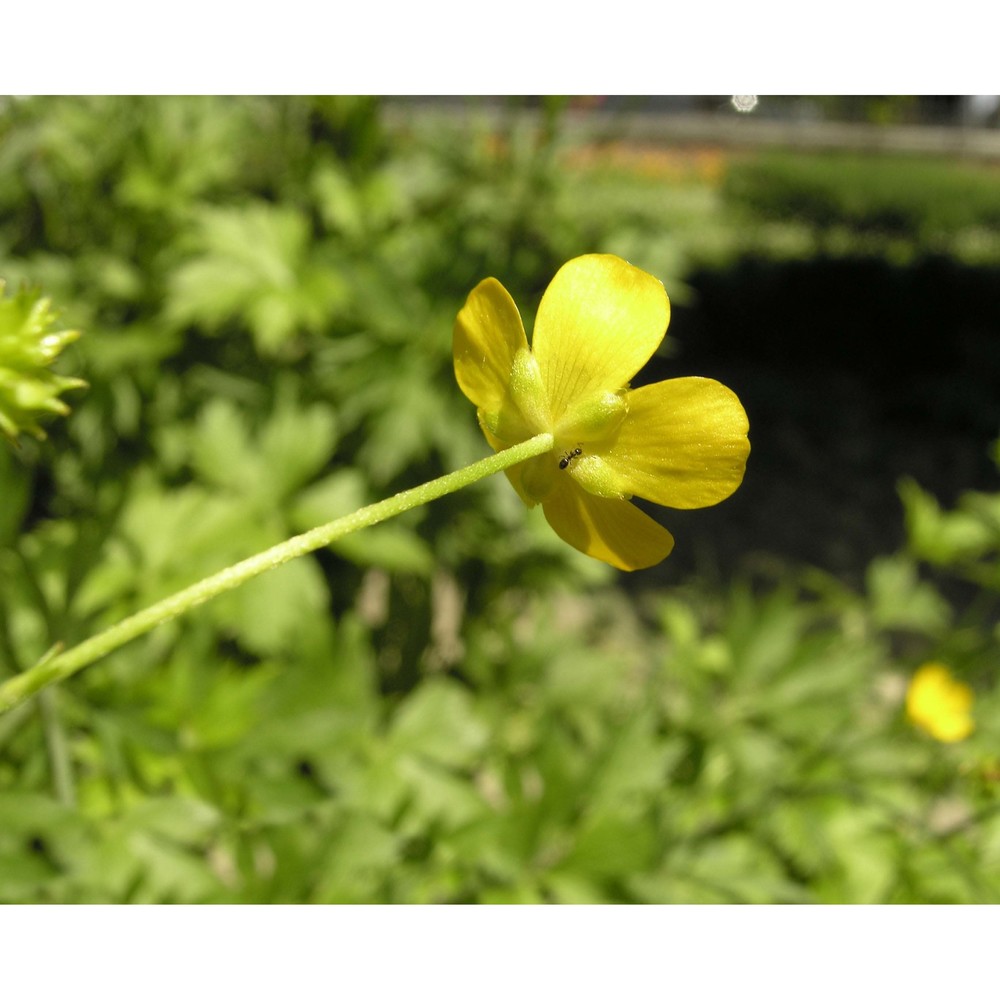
x=681, y=443
x=940, y=705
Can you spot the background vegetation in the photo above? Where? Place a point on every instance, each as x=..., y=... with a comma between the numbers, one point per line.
x=456, y=706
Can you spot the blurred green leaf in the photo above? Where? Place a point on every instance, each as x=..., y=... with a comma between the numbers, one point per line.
x=864, y=853
x=15, y=489
x=943, y=538
x=269, y=613
x=439, y=721
x=254, y=264
x=359, y=854
x=177, y=819
x=293, y=445
x=901, y=600
x=732, y=868
x=389, y=546
x=609, y=845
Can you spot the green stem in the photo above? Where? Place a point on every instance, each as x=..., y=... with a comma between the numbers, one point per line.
x=65, y=664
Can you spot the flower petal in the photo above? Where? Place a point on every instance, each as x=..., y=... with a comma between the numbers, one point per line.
x=613, y=531
x=939, y=704
x=683, y=443
x=488, y=333
x=598, y=323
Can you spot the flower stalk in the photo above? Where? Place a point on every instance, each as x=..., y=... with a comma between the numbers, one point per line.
x=57, y=665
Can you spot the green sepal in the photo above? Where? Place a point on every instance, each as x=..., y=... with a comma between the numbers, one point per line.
x=525, y=408
x=593, y=419
x=596, y=476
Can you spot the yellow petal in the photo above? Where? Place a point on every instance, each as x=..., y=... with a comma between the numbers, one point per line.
x=613, y=531
x=683, y=443
x=951, y=728
x=598, y=323
x=488, y=334
x=939, y=704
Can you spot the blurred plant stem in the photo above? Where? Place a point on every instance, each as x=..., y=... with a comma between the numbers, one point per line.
x=55, y=740
x=57, y=667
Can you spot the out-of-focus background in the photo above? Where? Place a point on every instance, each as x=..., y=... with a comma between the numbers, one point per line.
x=455, y=706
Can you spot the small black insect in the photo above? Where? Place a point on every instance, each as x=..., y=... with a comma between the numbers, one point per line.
x=569, y=456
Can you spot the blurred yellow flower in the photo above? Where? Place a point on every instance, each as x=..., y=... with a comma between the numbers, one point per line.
x=681, y=443
x=940, y=705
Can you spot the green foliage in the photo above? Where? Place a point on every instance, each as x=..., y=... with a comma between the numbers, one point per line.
x=923, y=201
x=747, y=749
x=454, y=706
x=965, y=541
x=254, y=261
